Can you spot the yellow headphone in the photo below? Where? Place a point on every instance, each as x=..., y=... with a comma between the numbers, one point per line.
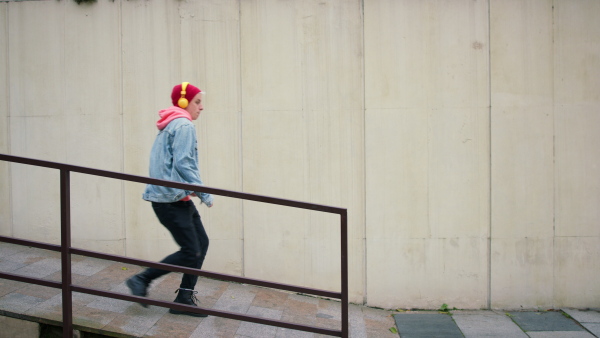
x=183, y=102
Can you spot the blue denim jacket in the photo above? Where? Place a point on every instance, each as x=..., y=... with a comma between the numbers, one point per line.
x=174, y=157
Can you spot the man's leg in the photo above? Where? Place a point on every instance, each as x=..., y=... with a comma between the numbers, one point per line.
x=189, y=281
x=177, y=217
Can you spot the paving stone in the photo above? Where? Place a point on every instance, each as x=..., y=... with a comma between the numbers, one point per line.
x=590, y=316
x=19, y=303
x=269, y=298
x=216, y=327
x=89, y=266
x=288, y=333
x=136, y=321
x=40, y=291
x=92, y=318
x=426, y=325
x=110, y=304
x=374, y=328
x=40, y=269
x=594, y=328
x=174, y=326
x=9, y=266
x=329, y=309
x=237, y=298
x=486, y=324
x=9, y=249
x=559, y=334
x=9, y=286
x=544, y=321
x=254, y=330
x=356, y=322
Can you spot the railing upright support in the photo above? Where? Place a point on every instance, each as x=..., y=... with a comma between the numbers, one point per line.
x=65, y=243
x=344, y=268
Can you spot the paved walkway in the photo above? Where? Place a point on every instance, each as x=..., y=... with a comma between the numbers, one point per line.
x=124, y=319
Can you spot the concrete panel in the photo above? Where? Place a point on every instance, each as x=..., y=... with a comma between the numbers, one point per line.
x=210, y=52
x=426, y=53
x=94, y=124
x=92, y=57
x=425, y=273
x=577, y=166
x=40, y=137
x=522, y=172
x=521, y=51
x=37, y=124
x=225, y=256
x=577, y=88
x=522, y=272
x=271, y=36
x=459, y=194
x=274, y=162
x=5, y=209
x=37, y=61
x=396, y=175
x=97, y=214
x=577, y=52
x=274, y=242
x=576, y=272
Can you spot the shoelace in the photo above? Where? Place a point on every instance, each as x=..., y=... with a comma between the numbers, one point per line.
x=192, y=296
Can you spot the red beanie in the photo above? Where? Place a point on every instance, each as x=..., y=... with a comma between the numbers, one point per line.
x=190, y=92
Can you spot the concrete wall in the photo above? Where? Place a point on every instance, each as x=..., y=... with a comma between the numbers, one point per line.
x=461, y=135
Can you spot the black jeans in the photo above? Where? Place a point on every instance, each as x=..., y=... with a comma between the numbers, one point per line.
x=183, y=221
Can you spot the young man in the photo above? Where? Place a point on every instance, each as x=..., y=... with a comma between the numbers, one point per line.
x=174, y=157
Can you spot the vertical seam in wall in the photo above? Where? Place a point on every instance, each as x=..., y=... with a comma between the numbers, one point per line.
x=553, y=163
x=8, y=121
x=123, y=195
x=489, y=286
x=241, y=140
x=364, y=160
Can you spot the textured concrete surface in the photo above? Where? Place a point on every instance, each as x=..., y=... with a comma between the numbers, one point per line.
x=94, y=314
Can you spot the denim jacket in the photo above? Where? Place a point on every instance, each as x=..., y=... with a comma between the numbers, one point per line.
x=174, y=157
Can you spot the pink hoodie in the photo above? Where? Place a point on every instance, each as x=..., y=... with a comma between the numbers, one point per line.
x=170, y=114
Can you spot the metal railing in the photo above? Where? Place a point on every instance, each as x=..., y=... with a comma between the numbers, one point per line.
x=66, y=251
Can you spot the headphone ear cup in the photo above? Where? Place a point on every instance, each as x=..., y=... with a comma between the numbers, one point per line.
x=183, y=103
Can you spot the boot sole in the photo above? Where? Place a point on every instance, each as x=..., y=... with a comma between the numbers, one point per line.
x=193, y=314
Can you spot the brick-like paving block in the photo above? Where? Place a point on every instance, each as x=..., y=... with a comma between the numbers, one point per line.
x=426, y=325
x=543, y=321
x=486, y=324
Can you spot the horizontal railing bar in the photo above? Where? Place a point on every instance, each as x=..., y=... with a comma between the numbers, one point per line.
x=173, y=184
x=214, y=275
x=30, y=280
x=190, y=308
x=34, y=244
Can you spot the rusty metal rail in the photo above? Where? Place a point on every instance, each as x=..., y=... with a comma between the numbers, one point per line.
x=66, y=251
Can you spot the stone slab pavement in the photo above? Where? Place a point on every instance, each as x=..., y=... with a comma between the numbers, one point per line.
x=119, y=318
x=564, y=323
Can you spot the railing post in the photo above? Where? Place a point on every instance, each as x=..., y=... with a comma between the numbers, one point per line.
x=65, y=242
x=344, y=246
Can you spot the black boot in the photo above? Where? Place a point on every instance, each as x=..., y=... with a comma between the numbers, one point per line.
x=138, y=286
x=186, y=297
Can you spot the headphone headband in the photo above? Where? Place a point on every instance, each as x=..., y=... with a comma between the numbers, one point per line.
x=183, y=102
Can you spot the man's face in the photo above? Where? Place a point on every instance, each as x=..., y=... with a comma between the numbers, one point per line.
x=195, y=106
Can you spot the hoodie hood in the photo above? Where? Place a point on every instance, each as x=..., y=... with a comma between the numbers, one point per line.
x=170, y=114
